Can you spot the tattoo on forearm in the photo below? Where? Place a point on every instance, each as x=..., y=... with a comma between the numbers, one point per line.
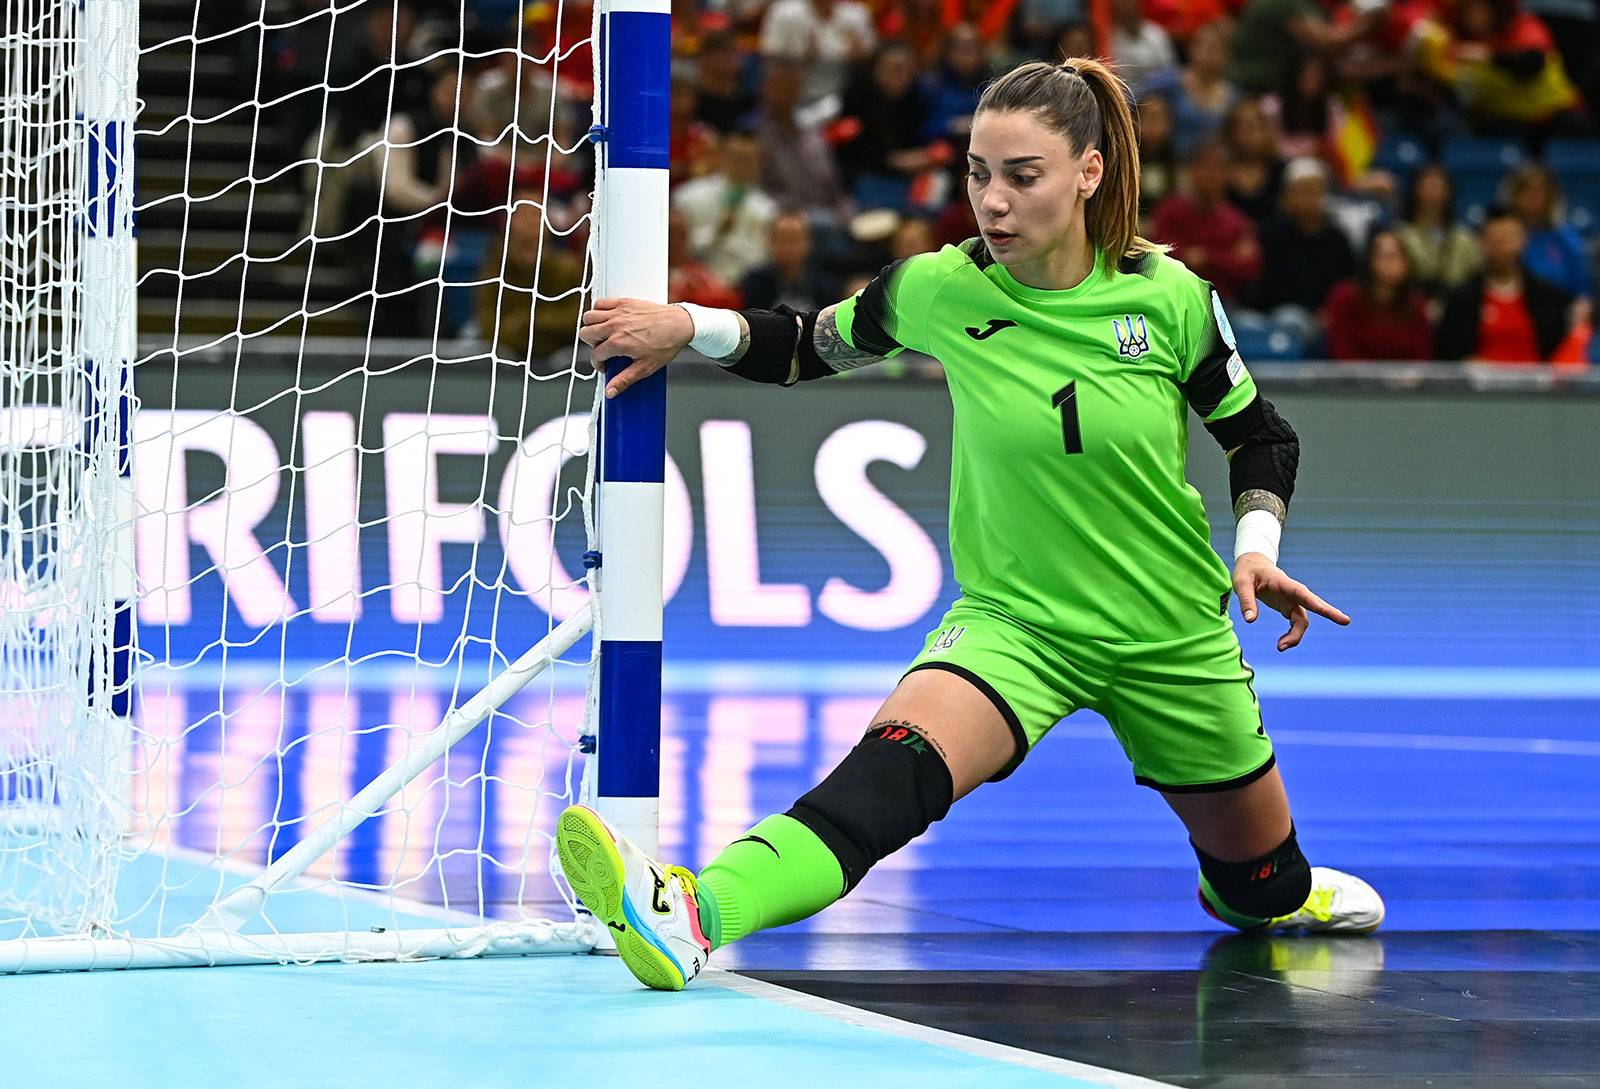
x=832, y=347
x=883, y=726
x=1260, y=499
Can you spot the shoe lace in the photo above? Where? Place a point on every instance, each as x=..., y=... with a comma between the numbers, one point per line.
x=1319, y=905
x=687, y=877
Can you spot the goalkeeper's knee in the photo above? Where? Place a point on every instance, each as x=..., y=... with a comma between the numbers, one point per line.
x=1263, y=888
x=885, y=793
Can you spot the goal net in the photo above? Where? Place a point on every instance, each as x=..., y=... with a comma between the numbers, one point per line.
x=301, y=651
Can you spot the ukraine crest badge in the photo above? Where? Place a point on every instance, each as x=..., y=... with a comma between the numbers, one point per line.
x=1133, y=339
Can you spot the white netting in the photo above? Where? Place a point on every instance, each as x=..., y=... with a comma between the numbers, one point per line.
x=58, y=736
x=359, y=460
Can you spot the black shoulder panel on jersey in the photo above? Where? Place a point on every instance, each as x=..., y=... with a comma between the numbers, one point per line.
x=1209, y=381
x=1143, y=263
x=1266, y=449
x=869, y=332
x=770, y=356
x=812, y=365
x=977, y=251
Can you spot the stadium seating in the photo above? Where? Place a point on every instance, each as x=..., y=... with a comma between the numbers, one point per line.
x=1576, y=163
x=1400, y=155
x=1478, y=165
x=1260, y=339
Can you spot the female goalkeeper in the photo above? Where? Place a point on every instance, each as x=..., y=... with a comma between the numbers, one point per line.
x=1071, y=347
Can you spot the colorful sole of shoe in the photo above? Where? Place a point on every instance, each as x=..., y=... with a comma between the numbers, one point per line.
x=594, y=869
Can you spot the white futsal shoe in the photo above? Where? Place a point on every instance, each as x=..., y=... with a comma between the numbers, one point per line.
x=652, y=910
x=1340, y=903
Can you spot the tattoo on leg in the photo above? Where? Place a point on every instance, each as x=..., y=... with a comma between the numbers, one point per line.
x=888, y=728
x=1260, y=499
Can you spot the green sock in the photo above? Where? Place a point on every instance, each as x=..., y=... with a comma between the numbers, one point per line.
x=778, y=873
x=1225, y=913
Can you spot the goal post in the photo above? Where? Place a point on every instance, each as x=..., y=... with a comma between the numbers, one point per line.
x=278, y=768
x=632, y=134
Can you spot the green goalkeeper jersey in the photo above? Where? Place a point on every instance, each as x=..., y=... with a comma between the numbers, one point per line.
x=1069, y=510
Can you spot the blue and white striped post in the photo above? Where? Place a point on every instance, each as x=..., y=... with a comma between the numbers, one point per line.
x=635, y=83
x=108, y=69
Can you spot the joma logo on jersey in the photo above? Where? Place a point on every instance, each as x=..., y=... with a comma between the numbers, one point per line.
x=1133, y=339
x=947, y=638
x=994, y=326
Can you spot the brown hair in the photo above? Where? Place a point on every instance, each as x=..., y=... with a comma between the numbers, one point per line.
x=1086, y=102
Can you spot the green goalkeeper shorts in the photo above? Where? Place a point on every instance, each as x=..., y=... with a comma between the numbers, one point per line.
x=1183, y=709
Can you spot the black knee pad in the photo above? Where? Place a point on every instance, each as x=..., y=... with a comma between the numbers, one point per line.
x=1275, y=884
x=884, y=794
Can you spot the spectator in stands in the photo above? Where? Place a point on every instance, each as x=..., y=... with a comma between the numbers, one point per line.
x=1504, y=314
x=1554, y=252
x=426, y=146
x=1379, y=314
x=1505, y=67
x=368, y=44
x=425, y=151
x=1299, y=110
x=1270, y=34
x=727, y=212
x=921, y=24
x=1575, y=26
x=914, y=235
x=955, y=224
x=1202, y=95
x=1255, y=168
x=502, y=165
x=1038, y=27
x=1075, y=39
x=882, y=148
x=1303, y=251
x=1208, y=234
x=370, y=73
x=691, y=143
x=529, y=298
x=951, y=89
x=792, y=275
x=1158, y=158
x=1183, y=18
x=1142, y=51
x=797, y=167
x=722, y=98
x=517, y=86
x=825, y=36
x=1443, y=251
x=690, y=279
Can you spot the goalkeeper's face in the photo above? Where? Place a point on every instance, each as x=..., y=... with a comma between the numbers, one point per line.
x=1028, y=188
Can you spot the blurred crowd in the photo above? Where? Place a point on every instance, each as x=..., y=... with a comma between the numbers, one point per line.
x=1360, y=179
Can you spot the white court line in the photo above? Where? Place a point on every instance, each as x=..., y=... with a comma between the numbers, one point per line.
x=335, y=890
x=893, y=1026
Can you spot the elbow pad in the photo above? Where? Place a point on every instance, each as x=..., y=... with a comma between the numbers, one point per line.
x=812, y=365
x=781, y=350
x=1266, y=451
x=770, y=357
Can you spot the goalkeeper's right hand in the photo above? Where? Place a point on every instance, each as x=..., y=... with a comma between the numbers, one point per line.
x=650, y=334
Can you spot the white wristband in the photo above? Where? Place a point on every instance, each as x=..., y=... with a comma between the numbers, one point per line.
x=1257, y=531
x=716, y=332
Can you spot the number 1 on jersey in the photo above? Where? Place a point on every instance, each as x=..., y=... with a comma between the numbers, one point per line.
x=1066, y=399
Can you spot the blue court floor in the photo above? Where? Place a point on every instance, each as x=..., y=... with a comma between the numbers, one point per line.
x=1049, y=921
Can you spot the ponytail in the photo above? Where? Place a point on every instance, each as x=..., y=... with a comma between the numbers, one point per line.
x=1085, y=101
